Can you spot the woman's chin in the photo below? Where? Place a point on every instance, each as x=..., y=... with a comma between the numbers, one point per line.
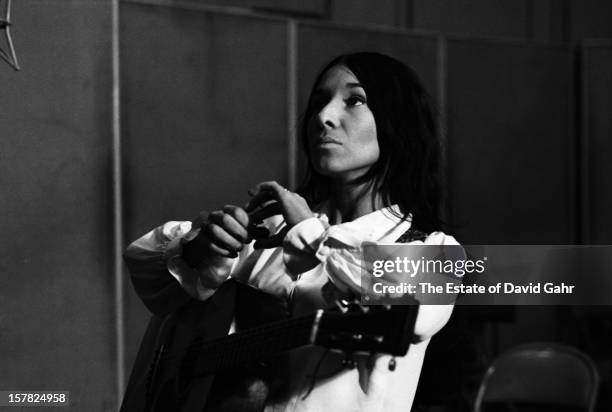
x=329, y=170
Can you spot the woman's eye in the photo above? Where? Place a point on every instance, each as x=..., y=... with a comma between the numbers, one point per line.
x=355, y=101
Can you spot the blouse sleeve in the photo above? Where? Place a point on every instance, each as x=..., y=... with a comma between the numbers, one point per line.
x=161, y=278
x=313, y=242
x=339, y=248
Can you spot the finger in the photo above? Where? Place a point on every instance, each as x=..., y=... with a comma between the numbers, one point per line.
x=259, y=199
x=218, y=236
x=265, y=191
x=229, y=225
x=221, y=251
x=238, y=213
x=265, y=212
x=267, y=186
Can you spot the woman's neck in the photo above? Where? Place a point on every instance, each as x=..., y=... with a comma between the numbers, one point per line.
x=348, y=201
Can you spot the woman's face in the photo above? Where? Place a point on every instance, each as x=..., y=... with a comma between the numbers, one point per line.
x=341, y=130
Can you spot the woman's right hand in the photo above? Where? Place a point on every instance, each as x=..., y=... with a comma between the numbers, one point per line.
x=223, y=233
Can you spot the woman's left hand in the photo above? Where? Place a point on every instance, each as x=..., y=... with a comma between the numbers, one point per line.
x=273, y=199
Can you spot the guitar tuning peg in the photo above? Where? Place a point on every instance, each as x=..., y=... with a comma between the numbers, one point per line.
x=392, y=364
x=348, y=361
x=342, y=305
x=350, y=305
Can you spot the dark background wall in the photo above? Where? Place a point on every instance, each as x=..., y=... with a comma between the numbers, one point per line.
x=210, y=95
x=56, y=272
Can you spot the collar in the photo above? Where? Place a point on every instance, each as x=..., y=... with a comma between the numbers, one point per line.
x=381, y=225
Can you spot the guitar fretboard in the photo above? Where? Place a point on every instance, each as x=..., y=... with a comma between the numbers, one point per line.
x=249, y=345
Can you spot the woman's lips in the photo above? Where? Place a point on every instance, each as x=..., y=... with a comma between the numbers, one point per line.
x=326, y=140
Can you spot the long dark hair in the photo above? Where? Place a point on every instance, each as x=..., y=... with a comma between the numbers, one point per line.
x=407, y=172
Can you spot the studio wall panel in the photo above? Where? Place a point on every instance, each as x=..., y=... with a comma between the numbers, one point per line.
x=511, y=147
x=597, y=129
x=298, y=7
x=57, y=321
x=204, y=118
x=589, y=19
x=484, y=18
x=383, y=12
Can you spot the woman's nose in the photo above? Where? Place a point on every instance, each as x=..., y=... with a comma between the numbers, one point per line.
x=328, y=115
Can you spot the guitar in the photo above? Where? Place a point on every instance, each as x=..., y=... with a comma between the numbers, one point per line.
x=192, y=344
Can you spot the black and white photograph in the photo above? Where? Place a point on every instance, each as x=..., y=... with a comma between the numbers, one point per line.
x=306, y=205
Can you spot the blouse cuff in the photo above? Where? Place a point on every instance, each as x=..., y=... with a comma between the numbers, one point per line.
x=190, y=278
x=301, y=244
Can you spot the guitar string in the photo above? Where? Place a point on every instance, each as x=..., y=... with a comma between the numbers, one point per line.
x=244, y=343
x=238, y=339
x=237, y=350
x=271, y=345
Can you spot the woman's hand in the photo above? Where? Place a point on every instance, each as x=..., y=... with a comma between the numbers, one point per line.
x=223, y=234
x=270, y=198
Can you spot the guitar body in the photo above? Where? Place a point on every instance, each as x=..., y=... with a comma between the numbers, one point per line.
x=163, y=375
x=155, y=383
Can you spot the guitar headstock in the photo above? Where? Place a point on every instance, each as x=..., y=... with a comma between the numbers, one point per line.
x=375, y=328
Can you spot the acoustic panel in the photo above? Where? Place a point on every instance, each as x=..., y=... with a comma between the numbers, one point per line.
x=511, y=149
x=589, y=19
x=383, y=12
x=57, y=324
x=597, y=128
x=299, y=7
x=484, y=18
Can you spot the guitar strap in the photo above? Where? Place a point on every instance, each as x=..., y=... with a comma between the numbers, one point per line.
x=411, y=235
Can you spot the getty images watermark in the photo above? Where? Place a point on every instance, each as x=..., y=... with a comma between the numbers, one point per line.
x=487, y=274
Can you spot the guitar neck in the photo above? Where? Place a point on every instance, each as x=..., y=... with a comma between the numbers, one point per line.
x=254, y=344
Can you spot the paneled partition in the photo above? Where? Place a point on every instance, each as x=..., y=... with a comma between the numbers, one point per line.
x=57, y=323
x=511, y=143
x=597, y=142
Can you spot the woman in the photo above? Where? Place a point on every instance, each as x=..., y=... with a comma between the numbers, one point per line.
x=373, y=153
